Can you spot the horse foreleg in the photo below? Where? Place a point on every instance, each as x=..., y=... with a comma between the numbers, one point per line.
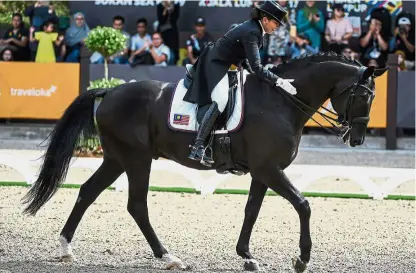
x=138, y=170
x=106, y=174
x=254, y=202
x=280, y=183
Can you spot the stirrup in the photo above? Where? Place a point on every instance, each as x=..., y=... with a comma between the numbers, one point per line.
x=205, y=160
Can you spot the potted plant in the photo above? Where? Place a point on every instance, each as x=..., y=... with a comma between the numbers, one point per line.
x=106, y=41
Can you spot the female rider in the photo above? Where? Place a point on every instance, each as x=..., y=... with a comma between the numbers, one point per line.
x=240, y=45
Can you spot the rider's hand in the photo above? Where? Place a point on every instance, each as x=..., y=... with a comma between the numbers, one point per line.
x=286, y=85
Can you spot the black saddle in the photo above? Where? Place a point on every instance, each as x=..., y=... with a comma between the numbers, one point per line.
x=233, y=84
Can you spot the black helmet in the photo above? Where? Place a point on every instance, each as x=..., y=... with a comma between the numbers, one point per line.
x=273, y=9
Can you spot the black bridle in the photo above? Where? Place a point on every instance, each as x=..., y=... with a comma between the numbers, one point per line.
x=348, y=120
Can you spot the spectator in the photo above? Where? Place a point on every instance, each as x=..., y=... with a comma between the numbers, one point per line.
x=373, y=62
x=373, y=43
x=349, y=53
x=159, y=51
x=401, y=57
x=197, y=41
x=338, y=30
x=6, y=55
x=16, y=38
x=302, y=46
x=39, y=13
x=168, y=15
x=119, y=57
x=75, y=36
x=47, y=39
x=140, y=45
x=404, y=40
x=310, y=21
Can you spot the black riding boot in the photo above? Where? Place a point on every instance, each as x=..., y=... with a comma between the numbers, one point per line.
x=208, y=121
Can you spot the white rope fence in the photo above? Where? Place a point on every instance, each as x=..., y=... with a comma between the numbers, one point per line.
x=306, y=174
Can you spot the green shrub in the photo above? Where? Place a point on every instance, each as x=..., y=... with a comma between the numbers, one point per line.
x=7, y=8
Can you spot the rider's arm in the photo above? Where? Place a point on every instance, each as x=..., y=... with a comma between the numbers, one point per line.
x=250, y=43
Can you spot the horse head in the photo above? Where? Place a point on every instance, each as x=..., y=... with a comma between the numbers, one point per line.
x=353, y=100
x=347, y=83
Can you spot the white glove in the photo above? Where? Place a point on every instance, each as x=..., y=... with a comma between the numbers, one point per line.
x=285, y=84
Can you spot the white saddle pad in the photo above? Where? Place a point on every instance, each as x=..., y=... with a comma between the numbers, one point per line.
x=183, y=114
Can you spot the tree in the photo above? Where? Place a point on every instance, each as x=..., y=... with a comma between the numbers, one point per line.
x=107, y=41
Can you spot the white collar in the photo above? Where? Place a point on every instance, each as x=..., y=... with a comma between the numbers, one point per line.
x=264, y=32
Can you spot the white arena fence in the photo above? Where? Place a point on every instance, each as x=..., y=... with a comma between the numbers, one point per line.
x=306, y=174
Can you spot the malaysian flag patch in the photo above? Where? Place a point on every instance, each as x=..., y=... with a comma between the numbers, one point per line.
x=180, y=119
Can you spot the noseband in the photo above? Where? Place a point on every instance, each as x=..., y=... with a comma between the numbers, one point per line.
x=347, y=119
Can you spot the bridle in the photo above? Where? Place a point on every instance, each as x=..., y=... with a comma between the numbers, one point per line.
x=347, y=120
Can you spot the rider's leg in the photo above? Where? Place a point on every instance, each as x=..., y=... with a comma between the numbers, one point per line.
x=219, y=96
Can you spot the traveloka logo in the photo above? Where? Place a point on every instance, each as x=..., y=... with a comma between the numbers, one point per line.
x=33, y=92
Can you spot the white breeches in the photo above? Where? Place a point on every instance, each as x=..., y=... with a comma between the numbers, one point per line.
x=220, y=93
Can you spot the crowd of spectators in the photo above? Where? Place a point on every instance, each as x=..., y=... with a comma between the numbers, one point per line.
x=50, y=39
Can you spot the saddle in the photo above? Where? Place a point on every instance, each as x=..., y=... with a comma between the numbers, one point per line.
x=222, y=143
x=232, y=89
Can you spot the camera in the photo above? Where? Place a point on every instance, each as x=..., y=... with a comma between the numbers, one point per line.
x=402, y=30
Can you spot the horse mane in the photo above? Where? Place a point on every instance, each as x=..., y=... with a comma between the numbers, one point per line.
x=306, y=59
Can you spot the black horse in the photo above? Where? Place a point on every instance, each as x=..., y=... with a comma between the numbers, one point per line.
x=132, y=125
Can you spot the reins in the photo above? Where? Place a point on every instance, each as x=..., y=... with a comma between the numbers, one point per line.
x=347, y=122
x=334, y=130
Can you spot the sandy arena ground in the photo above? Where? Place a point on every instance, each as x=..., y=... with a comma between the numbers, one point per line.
x=348, y=235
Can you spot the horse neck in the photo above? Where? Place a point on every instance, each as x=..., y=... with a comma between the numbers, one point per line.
x=325, y=77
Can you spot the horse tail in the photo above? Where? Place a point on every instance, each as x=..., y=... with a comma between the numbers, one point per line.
x=78, y=118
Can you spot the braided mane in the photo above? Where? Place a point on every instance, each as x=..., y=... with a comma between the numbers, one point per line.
x=304, y=60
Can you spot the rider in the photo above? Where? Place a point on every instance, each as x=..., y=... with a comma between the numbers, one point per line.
x=240, y=45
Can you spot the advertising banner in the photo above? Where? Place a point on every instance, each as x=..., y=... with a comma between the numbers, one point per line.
x=378, y=113
x=37, y=90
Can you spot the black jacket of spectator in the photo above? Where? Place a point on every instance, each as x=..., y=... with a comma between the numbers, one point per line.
x=19, y=53
x=399, y=44
x=168, y=28
x=373, y=47
x=39, y=15
x=198, y=44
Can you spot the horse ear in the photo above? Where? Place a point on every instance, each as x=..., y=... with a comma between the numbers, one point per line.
x=380, y=71
x=368, y=72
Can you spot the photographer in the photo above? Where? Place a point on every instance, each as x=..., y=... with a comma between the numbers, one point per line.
x=374, y=42
x=404, y=40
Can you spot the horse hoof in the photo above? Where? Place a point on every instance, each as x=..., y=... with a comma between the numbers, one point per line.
x=173, y=262
x=67, y=259
x=298, y=265
x=251, y=265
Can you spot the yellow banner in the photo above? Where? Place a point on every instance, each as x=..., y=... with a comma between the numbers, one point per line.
x=37, y=90
x=378, y=113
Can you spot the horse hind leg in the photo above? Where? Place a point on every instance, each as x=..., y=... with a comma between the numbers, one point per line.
x=138, y=165
x=105, y=175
